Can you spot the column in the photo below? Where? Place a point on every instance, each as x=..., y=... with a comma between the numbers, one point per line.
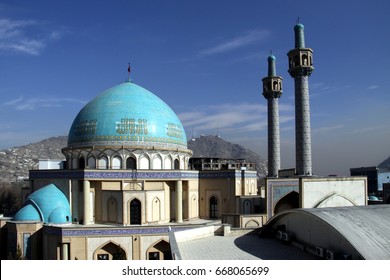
x=179, y=201
x=64, y=251
x=87, y=214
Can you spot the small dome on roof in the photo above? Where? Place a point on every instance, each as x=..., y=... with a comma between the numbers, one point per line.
x=48, y=205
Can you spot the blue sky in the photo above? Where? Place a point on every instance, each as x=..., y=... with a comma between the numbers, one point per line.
x=206, y=60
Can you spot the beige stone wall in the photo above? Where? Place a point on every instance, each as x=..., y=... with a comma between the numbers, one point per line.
x=87, y=248
x=33, y=230
x=223, y=190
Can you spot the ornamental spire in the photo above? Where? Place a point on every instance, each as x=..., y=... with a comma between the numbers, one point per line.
x=128, y=72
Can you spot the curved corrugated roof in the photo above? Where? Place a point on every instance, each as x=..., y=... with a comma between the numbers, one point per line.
x=367, y=228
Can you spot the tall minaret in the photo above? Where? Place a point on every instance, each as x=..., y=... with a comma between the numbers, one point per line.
x=300, y=67
x=272, y=90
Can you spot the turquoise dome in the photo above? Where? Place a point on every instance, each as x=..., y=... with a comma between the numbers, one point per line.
x=48, y=205
x=299, y=26
x=271, y=57
x=127, y=115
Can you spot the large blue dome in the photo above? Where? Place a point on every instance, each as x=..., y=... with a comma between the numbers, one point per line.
x=127, y=115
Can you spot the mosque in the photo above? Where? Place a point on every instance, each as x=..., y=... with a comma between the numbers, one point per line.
x=129, y=190
x=125, y=186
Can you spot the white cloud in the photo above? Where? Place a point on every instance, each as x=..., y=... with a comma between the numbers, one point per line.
x=15, y=37
x=373, y=87
x=35, y=103
x=236, y=42
x=327, y=129
x=242, y=117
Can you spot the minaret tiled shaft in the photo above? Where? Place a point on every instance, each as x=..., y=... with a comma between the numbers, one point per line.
x=300, y=68
x=272, y=90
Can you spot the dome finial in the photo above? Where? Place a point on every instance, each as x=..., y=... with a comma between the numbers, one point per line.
x=128, y=72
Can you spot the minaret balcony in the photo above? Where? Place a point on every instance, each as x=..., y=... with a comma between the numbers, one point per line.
x=272, y=87
x=272, y=94
x=300, y=62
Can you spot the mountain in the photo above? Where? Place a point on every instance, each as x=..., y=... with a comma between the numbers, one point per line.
x=15, y=162
x=215, y=146
x=385, y=164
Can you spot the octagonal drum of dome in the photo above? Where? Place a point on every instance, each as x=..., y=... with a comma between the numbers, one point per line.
x=127, y=115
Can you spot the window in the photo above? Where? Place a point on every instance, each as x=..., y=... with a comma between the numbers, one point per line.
x=102, y=257
x=135, y=212
x=154, y=255
x=131, y=163
x=213, y=207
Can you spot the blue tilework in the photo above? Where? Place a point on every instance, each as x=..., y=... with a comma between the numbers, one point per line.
x=127, y=114
x=57, y=231
x=87, y=174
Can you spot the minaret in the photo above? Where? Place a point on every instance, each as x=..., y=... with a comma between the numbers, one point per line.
x=300, y=67
x=272, y=90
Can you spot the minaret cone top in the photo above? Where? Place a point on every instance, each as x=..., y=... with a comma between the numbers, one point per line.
x=299, y=36
x=271, y=66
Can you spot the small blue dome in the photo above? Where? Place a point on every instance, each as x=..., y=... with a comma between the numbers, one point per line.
x=271, y=57
x=299, y=26
x=28, y=213
x=48, y=204
x=127, y=115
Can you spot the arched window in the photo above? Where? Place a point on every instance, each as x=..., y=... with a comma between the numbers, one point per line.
x=81, y=163
x=213, y=207
x=304, y=60
x=177, y=164
x=296, y=61
x=110, y=251
x=159, y=251
x=103, y=163
x=135, y=212
x=131, y=163
x=247, y=207
x=157, y=163
x=91, y=162
x=116, y=163
x=275, y=85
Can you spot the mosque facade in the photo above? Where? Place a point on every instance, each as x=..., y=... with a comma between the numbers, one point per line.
x=127, y=183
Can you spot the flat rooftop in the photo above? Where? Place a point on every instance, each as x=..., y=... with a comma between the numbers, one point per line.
x=245, y=247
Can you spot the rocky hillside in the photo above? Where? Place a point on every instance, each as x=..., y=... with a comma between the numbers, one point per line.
x=15, y=162
x=215, y=146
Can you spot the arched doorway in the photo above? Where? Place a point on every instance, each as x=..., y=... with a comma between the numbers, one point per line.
x=159, y=251
x=247, y=207
x=213, y=207
x=289, y=201
x=135, y=212
x=131, y=163
x=110, y=251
